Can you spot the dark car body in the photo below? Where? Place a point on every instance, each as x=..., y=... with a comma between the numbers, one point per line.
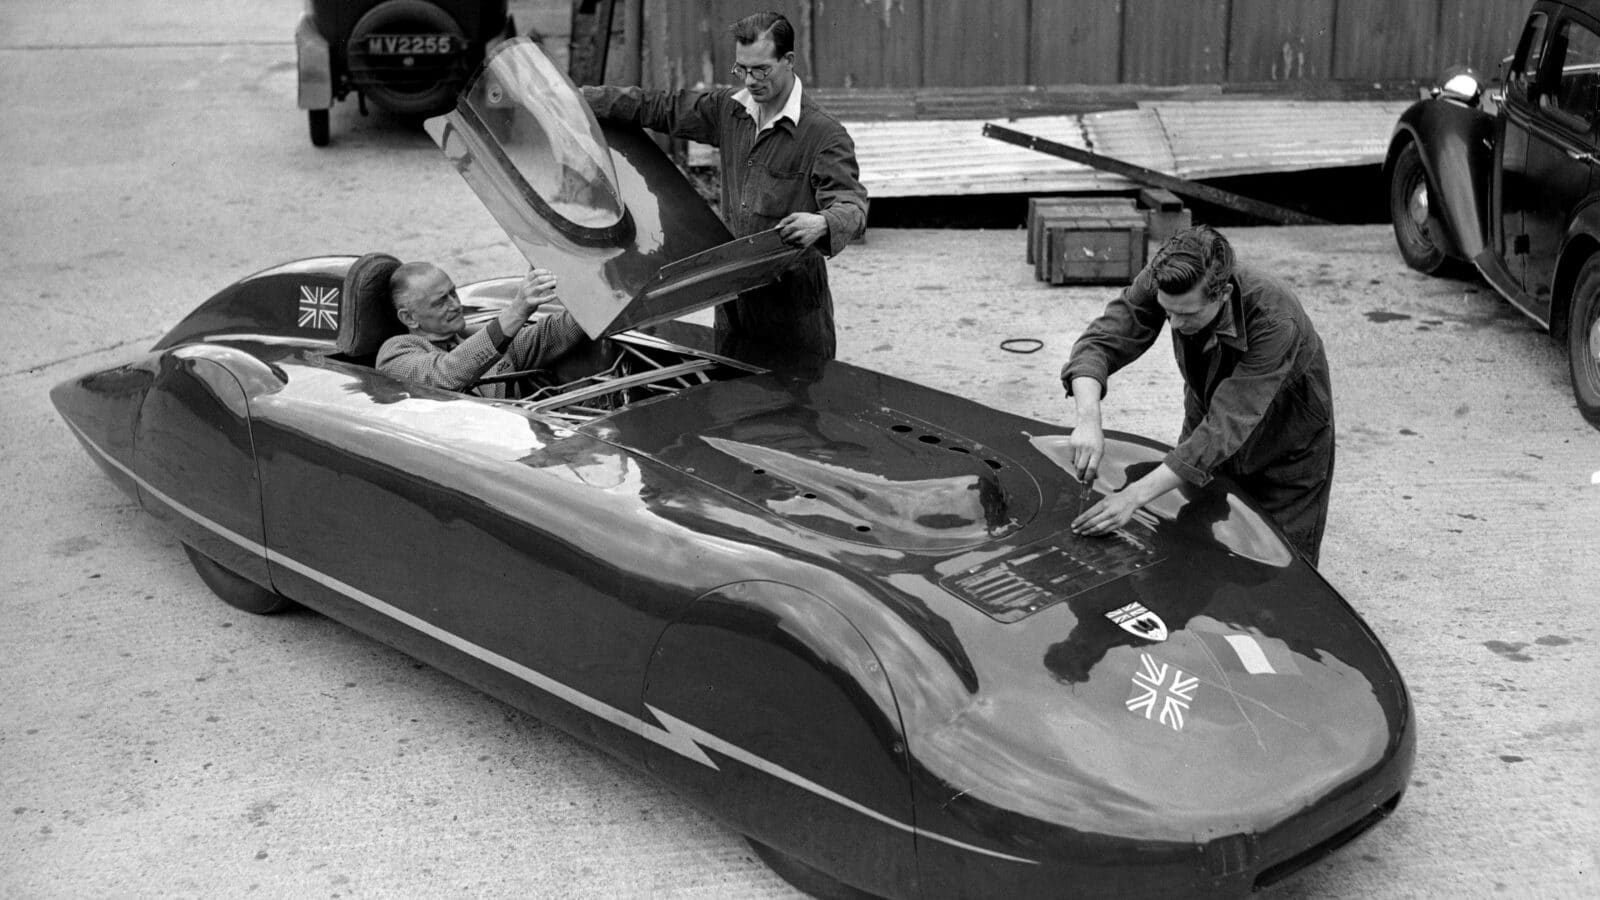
x=840, y=611
x=409, y=56
x=1510, y=182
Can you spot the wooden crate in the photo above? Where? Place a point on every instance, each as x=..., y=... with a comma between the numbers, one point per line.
x=1095, y=249
x=1040, y=208
x=1164, y=214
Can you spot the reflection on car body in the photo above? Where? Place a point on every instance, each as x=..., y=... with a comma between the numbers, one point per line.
x=842, y=612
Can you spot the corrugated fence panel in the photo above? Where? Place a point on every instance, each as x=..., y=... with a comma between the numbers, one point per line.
x=970, y=44
x=1280, y=40
x=1075, y=43
x=1478, y=33
x=868, y=43
x=1160, y=46
x=959, y=43
x=1384, y=38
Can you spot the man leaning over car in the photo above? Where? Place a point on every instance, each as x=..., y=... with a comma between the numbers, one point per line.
x=441, y=352
x=1258, y=402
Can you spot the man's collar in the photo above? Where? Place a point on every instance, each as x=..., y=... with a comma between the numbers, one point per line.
x=1227, y=329
x=790, y=111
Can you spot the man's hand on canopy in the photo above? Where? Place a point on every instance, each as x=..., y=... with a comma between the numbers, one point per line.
x=802, y=229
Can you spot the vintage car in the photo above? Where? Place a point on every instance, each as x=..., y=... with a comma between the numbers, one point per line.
x=840, y=611
x=409, y=56
x=1509, y=181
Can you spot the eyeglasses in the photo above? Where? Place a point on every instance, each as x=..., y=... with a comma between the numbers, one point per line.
x=758, y=73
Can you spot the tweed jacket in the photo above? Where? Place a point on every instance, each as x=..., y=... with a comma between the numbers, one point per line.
x=456, y=363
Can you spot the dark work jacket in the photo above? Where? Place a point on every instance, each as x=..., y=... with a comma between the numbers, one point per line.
x=805, y=167
x=1258, y=400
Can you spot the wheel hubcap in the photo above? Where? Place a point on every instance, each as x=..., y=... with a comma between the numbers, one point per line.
x=1417, y=204
x=1594, y=344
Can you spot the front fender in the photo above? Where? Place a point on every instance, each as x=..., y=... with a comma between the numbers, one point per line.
x=1456, y=144
x=785, y=727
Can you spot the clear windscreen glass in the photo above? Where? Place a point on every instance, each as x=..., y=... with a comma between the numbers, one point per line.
x=549, y=135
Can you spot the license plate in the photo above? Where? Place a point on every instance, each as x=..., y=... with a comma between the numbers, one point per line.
x=410, y=44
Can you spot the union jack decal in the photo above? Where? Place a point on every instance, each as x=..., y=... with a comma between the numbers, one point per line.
x=1157, y=697
x=319, y=307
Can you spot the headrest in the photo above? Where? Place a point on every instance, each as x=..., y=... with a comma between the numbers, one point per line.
x=366, y=313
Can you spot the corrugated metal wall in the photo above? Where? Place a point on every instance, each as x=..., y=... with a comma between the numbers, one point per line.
x=965, y=43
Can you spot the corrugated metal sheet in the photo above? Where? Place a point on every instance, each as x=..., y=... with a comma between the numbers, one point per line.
x=1212, y=139
x=1204, y=139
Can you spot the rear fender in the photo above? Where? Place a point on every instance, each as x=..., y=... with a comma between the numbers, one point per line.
x=195, y=456
x=1456, y=144
x=786, y=728
x=1582, y=241
x=314, y=61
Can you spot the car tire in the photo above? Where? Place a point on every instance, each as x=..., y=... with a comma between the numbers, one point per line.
x=235, y=590
x=1412, y=217
x=1583, y=340
x=428, y=99
x=807, y=879
x=318, y=119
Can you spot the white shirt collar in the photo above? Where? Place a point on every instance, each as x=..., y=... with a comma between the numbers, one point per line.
x=790, y=111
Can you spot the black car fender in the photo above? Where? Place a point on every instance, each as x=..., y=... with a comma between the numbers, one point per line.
x=1581, y=241
x=782, y=722
x=1456, y=144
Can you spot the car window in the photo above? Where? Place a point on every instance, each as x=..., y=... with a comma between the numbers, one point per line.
x=1530, y=50
x=1578, y=92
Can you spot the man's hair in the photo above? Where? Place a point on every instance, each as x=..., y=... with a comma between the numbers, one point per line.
x=401, y=279
x=1195, y=255
x=749, y=29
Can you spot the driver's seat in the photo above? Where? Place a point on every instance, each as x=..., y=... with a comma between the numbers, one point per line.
x=366, y=309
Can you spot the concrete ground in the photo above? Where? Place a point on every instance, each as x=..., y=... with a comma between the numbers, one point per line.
x=154, y=742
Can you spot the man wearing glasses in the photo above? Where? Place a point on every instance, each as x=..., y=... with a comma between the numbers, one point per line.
x=786, y=164
x=440, y=352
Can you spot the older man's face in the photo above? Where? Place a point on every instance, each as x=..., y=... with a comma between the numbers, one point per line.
x=430, y=305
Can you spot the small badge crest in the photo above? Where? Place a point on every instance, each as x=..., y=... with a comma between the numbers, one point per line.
x=319, y=307
x=1139, y=622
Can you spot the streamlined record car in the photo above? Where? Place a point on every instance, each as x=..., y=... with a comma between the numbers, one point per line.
x=840, y=611
x=1509, y=181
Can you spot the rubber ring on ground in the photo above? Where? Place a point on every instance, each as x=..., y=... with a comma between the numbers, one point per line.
x=1021, y=345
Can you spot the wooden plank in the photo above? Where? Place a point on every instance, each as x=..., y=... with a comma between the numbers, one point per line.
x=1174, y=43
x=1257, y=208
x=873, y=44
x=1384, y=38
x=1075, y=43
x=968, y=43
x=1280, y=40
x=1477, y=33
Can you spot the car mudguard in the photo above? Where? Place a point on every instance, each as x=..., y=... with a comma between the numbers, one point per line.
x=314, y=62
x=195, y=457
x=1456, y=145
x=1582, y=241
x=787, y=730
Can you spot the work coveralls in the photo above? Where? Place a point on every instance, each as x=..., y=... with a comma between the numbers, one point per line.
x=804, y=166
x=1258, y=402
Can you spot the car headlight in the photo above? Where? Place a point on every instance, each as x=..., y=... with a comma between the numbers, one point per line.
x=1460, y=84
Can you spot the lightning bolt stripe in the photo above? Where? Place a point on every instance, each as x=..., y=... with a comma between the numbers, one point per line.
x=673, y=733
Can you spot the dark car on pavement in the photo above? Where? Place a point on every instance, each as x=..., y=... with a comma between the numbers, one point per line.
x=409, y=56
x=1508, y=180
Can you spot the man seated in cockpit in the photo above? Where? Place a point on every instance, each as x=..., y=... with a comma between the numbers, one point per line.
x=441, y=352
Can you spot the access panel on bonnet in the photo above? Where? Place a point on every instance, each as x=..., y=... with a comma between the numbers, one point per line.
x=1057, y=568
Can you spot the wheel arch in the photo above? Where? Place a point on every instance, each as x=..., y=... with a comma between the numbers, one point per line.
x=1455, y=144
x=1582, y=242
x=798, y=725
